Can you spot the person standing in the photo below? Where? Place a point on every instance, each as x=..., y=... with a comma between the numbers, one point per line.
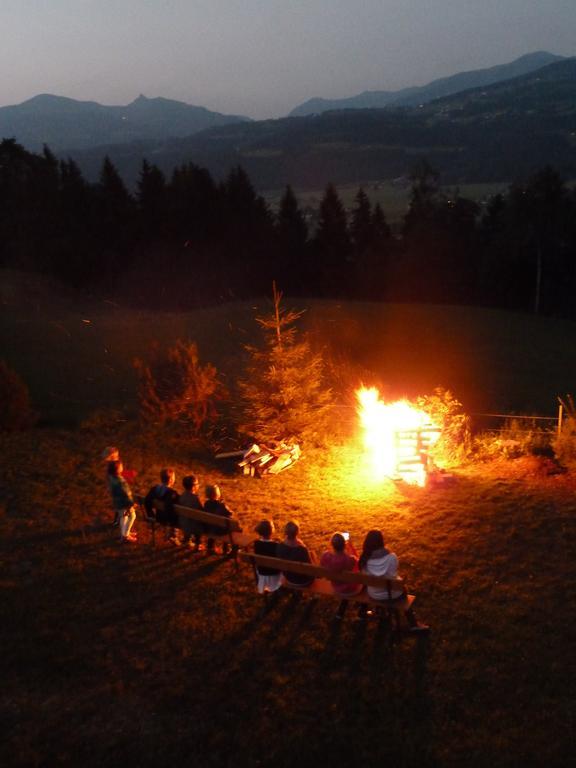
x=122, y=501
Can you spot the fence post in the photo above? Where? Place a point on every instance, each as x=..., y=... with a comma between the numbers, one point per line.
x=560, y=409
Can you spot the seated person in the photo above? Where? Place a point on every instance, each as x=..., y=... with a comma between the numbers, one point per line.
x=293, y=548
x=165, y=492
x=269, y=579
x=215, y=505
x=379, y=561
x=343, y=557
x=189, y=498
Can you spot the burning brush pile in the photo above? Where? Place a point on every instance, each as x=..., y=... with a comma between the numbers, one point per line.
x=398, y=437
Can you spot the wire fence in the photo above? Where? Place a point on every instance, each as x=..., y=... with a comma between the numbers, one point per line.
x=498, y=423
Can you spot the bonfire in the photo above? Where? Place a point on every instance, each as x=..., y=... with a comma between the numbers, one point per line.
x=397, y=437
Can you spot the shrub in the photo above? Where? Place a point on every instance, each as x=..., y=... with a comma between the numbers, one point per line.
x=446, y=412
x=175, y=387
x=15, y=410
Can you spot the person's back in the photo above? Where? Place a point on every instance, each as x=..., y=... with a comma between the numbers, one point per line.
x=189, y=498
x=340, y=560
x=269, y=579
x=214, y=503
x=215, y=506
x=164, y=492
x=292, y=548
x=379, y=561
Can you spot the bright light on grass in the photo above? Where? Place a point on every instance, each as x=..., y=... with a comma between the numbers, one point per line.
x=396, y=437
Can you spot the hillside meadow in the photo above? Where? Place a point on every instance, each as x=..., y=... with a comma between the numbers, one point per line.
x=154, y=656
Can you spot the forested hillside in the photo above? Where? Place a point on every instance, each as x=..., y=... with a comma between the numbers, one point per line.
x=187, y=240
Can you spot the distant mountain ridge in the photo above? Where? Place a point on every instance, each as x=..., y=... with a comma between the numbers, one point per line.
x=64, y=123
x=445, y=86
x=490, y=133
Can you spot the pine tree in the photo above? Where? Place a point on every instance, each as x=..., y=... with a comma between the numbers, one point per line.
x=333, y=246
x=284, y=394
x=151, y=199
x=291, y=267
x=361, y=224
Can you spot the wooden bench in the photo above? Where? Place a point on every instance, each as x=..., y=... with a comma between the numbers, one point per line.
x=399, y=610
x=230, y=529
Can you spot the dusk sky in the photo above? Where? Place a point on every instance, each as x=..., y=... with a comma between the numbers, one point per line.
x=261, y=58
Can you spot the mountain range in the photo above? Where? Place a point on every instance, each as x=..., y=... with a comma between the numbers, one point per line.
x=490, y=132
x=445, y=86
x=494, y=133
x=67, y=124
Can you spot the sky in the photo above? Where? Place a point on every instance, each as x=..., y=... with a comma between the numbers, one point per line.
x=261, y=58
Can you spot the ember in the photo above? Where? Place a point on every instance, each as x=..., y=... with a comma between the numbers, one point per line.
x=397, y=436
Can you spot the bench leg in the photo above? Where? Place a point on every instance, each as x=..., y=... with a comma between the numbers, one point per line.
x=413, y=623
x=341, y=609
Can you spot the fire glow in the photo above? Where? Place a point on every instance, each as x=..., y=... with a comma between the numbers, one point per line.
x=397, y=437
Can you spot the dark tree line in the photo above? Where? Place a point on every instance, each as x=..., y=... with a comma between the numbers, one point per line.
x=190, y=240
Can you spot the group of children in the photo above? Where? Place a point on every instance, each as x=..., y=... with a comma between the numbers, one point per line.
x=374, y=559
x=179, y=530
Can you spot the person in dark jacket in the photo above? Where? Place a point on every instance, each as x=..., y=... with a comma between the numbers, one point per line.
x=189, y=498
x=293, y=548
x=269, y=579
x=215, y=505
x=165, y=492
x=122, y=500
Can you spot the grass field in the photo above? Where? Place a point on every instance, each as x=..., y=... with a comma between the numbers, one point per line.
x=154, y=656
x=148, y=656
x=492, y=361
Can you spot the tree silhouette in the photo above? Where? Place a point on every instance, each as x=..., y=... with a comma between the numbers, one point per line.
x=333, y=247
x=292, y=266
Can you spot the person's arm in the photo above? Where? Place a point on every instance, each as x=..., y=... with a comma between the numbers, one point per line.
x=125, y=494
x=311, y=556
x=225, y=511
x=351, y=549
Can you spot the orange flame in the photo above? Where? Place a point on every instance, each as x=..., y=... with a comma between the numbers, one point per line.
x=396, y=435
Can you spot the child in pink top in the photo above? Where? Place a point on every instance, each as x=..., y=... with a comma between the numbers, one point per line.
x=343, y=557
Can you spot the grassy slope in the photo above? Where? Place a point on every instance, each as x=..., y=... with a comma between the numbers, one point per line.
x=491, y=360
x=155, y=657
x=158, y=657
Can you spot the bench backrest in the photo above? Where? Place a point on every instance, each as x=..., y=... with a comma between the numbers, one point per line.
x=226, y=523
x=317, y=572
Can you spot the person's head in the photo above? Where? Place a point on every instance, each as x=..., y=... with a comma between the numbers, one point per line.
x=213, y=492
x=115, y=468
x=265, y=529
x=291, y=530
x=111, y=453
x=338, y=542
x=374, y=540
x=167, y=476
x=190, y=483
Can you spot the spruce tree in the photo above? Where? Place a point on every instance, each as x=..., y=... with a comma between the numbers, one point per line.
x=284, y=394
